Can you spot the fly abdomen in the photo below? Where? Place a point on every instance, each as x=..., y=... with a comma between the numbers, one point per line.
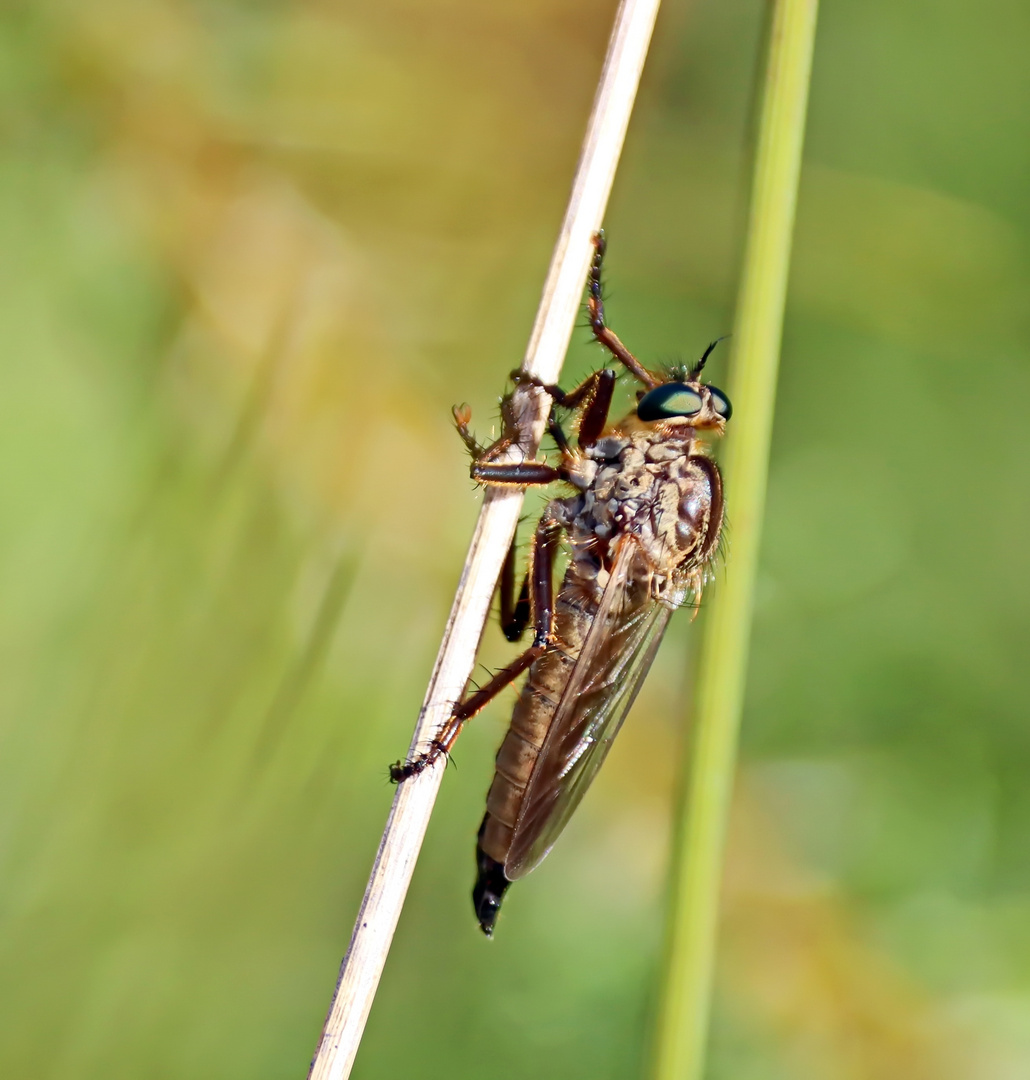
x=530, y=723
x=531, y=719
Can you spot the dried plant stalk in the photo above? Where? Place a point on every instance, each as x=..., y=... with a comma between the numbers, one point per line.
x=413, y=802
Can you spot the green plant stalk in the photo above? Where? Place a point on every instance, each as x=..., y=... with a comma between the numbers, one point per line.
x=685, y=1002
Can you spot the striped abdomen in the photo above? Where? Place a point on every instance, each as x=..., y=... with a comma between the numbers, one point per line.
x=574, y=611
x=532, y=716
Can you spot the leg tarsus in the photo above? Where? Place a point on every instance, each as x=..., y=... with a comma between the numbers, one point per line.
x=400, y=771
x=462, y=418
x=567, y=399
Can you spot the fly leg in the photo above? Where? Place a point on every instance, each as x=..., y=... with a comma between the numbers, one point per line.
x=545, y=547
x=520, y=474
x=594, y=394
x=515, y=613
x=462, y=417
x=596, y=391
x=607, y=337
x=485, y=470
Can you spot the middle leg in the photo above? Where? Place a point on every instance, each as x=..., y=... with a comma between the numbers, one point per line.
x=545, y=547
x=594, y=394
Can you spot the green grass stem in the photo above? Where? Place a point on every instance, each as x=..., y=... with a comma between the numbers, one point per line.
x=685, y=1002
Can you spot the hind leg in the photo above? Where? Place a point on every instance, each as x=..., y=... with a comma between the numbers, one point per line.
x=545, y=547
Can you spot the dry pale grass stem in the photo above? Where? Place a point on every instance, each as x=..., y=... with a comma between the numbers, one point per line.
x=413, y=802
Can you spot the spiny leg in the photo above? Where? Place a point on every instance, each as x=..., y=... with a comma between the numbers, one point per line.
x=608, y=338
x=487, y=455
x=515, y=613
x=594, y=393
x=520, y=474
x=595, y=415
x=545, y=547
x=485, y=470
x=462, y=418
x=597, y=390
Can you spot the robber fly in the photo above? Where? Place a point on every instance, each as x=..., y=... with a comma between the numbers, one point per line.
x=642, y=529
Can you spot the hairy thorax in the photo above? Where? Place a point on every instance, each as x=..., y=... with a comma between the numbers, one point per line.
x=657, y=485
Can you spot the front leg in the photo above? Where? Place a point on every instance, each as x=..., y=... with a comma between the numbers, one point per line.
x=545, y=547
x=603, y=334
x=594, y=395
x=486, y=470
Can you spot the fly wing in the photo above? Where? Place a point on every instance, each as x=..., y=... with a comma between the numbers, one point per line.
x=616, y=655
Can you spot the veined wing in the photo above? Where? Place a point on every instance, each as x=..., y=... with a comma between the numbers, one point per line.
x=615, y=657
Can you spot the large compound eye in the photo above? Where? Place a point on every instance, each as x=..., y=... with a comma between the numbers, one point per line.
x=721, y=403
x=665, y=402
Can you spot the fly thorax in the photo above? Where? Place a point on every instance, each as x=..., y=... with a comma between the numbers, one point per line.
x=651, y=485
x=582, y=472
x=609, y=447
x=663, y=450
x=694, y=509
x=674, y=517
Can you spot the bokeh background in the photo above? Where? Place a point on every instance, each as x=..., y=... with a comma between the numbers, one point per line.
x=251, y=254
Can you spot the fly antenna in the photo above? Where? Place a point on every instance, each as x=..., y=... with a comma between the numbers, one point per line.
x=696, y=369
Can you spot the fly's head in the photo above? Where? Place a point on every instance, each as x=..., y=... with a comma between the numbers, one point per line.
x=686, y=402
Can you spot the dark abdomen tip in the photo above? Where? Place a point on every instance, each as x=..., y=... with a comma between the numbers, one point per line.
x=489, y=889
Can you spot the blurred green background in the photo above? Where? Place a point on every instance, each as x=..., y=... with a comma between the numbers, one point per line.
x=251, y=254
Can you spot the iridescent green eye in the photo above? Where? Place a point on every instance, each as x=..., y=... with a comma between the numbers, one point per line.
x=721, y=403
x=665, y=402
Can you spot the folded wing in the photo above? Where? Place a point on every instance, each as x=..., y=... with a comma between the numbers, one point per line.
x=616, y=655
